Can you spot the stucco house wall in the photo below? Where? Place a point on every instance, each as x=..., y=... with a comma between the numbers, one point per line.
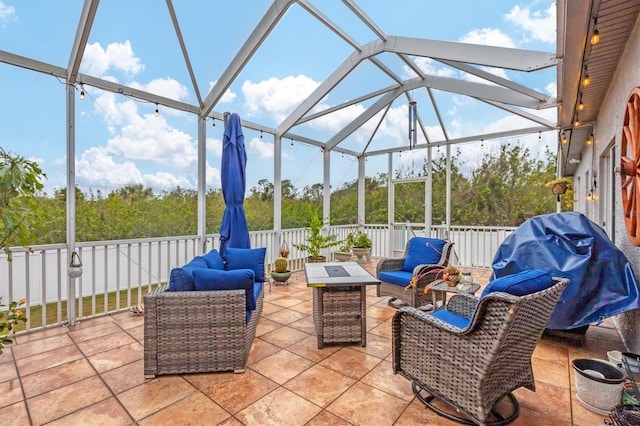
x=608, y=127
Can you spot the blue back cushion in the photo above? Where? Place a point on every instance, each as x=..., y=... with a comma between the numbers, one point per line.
x=215, y=279
x=521, y=283
x=452, y=318
x=239, y=258
x=181, y=279
x=214, y=260
x=423, y=251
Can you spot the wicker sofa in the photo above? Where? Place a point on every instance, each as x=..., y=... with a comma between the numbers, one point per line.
x=474, y=352
x=208, y=328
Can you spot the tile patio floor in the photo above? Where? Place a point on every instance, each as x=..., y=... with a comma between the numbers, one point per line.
x=92, y=374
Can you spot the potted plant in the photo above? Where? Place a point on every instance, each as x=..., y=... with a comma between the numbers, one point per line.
x=316, y=241
x=20, y=180
x=361, y=244
x=562, y=186
x=344, y=251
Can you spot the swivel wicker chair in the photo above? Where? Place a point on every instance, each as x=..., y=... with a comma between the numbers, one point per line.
x=474, y=353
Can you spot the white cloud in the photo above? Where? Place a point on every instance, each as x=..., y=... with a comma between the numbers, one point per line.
x=163, y=181
x=552, y=89
x=263, y=149
x=277, y=97
x=7, y=13
x=539, y=25
x=167, y=87
x=213, y=176
x=429, y=67
x=228, y=95
x=215, y=146
x=489, y=37
x=96, y=168
x=117, y=56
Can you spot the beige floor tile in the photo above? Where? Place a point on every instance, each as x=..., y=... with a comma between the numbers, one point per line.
x=417, y=414
x=266, y=325
x=36, y=347
x=281, y=366
x=56, y=377
x=280, y=407
x=66, y=400
x=304, y=324
x=233, y=392
x=105, y=343
x=382, y=314
x=195, y=409
x=287, y=301
x=548, y=401
x=384, y=329
x=11, y=392
x=124, y=378
x=42, y=361
x=382, y=377
x=269, y=308
x=105, y=361
x=15, y=414
x=377, y=346
x=285, y=316
x=326, y=418
x=363, y=405
x=308, y=348
x=261, y=349
x=105, y=413
x=320, y=385
x=7, y=371
x=304, y=307
x=350, y=362
x=284, y=336
x=80, y=334
x=154, y=395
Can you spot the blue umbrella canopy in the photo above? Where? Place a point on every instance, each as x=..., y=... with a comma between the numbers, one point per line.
x=234, y=231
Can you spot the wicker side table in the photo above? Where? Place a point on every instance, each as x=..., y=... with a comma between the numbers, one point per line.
x=443, y=288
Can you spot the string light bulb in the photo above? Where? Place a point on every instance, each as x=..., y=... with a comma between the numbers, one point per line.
x=595, y=38
x=540, y=136
x=590, y=139
x=481, y=143
x=260, y=134
x=586, y=80
x=81, y=91
x=576, y=121
x=564, y=138
x=292, y=143
x=581, y=104
x=157, y=113
x=590, y=196
x=213, y=123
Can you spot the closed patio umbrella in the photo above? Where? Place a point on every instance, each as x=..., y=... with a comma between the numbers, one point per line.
x=234, y=231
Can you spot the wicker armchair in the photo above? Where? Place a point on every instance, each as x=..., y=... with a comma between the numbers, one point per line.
x=474, y=367
x=197, y=331
x=394, y=276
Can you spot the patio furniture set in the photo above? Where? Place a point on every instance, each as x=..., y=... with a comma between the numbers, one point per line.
x=470, y=353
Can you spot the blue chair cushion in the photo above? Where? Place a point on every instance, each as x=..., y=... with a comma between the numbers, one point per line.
x=257, y=288
x=396, y=277
x=214, y=260
x=423, y=251
x=521, y=283
x=451, y=318
x=181, y=279
x=215, y=279
x=239, y=258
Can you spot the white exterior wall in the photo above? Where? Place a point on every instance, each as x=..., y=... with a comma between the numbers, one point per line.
x=608, y=134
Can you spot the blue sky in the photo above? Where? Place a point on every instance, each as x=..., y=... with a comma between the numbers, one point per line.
x=120, y=141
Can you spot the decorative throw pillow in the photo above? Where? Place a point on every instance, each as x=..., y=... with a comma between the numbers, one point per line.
x=239, y=258
x=215, y=279
x=181, y=279
x=423, y=251
x=521, y=283
x=214, y=260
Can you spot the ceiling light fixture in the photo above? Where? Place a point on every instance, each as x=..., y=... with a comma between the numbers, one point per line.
x=81, y=91
x=213, y=123
x=576, y=121
x=580, y=105
x=540, y=136
x=590, y=139
x=157, y=113
x=586, y=80
x=564, y=138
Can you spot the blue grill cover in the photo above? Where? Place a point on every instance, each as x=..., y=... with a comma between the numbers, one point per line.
x=572, y=246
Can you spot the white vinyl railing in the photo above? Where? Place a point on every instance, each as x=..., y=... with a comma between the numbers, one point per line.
x=117, y=274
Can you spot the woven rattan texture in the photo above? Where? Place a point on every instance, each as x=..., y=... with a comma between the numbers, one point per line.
x=414, y=296
x=343, y=312
x=472, y=369
x=197, y=331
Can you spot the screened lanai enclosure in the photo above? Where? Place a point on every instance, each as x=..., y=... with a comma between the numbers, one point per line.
x=110, y=93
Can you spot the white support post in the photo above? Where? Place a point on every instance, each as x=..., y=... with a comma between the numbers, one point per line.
x=448, y=212
x=390, y=204
x=71, y=200
x=361, y=189
x=326, y=193
x=428, y=194
x=277, y=193
x=202, y=183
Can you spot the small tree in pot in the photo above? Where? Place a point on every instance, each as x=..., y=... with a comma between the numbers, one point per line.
x=362, y=244
x=20, y=180
x=316, y=241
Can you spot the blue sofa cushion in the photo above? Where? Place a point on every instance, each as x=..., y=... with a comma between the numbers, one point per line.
x=423, y=251
x=451, y=318
x=396, y=277
x=215, y=279
x=521, y=283
x=239, y=258
x=181, y=279
x=214, y=260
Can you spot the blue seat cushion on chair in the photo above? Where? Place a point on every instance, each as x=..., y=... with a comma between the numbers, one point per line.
x=181, y=279
x=214, y=260
x=521, y=283
x=423, y=251
x=451, y=318
x=396, y=277
x=238, y=279
x=257, y=288
x=239, y=258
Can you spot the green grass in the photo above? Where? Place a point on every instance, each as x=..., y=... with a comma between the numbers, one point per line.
x=84, y=307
